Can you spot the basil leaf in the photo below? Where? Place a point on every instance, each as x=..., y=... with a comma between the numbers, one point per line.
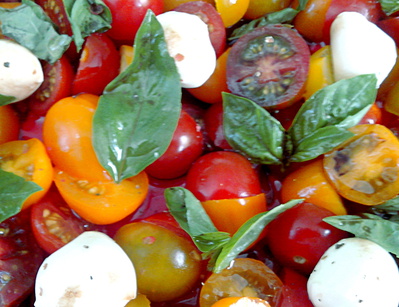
x=342, y=104
x=14, y=190
x=188, y=211
x=389, y=205
x=319, y=142
x=6, y=100
x=29, y=26
x=389, y=6
x=87, y=17
x=250, y=129
x=371, y=227
x=248, y=233
x=139, y=110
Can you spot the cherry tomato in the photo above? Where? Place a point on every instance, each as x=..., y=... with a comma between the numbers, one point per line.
x=28, y=159
x=244, y=277
x=127, y=16
x=32, y=127
x=258, y=8
x=315, y=20
x=389, y=81
x=286, y=116
x=98, y=65
x=56, y=11
x=9, y=124
x=170, y=5
x=211, y=90
x=167, y=264
x=391, y=100
x=364, y=169
x=222, y=175
x=186, y=146
x=229, y=214
x=390, y=25
x=67, y=134
x=211, y=17
x=231, y=11
x=298, y=237
x=373, y=116
x=20, y=258
x=213, y=121
x=312, y=184
x=269, y=66
x=57, y=84
x=102, y=202
x=53, y=223
x=295, y=289
x=241, y=301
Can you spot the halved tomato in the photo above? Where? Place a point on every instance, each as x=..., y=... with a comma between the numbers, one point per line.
x=269, y=66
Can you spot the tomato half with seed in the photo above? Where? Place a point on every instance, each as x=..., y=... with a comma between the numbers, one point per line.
x=269, y=66
x=53, y=223
x=98, y=65
x=57, y=84
x=364, y=169
x=244, y=277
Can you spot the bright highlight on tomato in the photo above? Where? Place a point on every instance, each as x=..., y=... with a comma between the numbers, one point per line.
x=241, y=302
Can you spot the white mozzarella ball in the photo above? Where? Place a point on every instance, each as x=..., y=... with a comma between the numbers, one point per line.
x=355, y=272
x=21, y=73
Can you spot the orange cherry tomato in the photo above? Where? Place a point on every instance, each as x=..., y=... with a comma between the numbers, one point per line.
x=365, y=169
x=229, y=214
x=67, y=134
x=28, y=159
x=102, y=202
x=244, y=277
x=9, y=124
x=241, y=302
x=231, y=11
x=140, y=301
x=312, y=184
x=211, y=90
x=388, y=83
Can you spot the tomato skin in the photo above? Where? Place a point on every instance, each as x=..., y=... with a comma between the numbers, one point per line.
x=231, y=11
x=9, y=124
x=213, y=121
x=32, y=127
x=98, y=65
x=20, y=258
x=257, y=8
x=373, y=116
x=298, y=237
x=127, y=17
x=222, y=175
x=390, y=25
x=57, y=84
x=295, y=289
x=186, y=146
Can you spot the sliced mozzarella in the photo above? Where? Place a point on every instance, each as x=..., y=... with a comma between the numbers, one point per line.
x=20, y=70
x=355, y=272
x=360, y=47
x=91, y=270
x=188, y=41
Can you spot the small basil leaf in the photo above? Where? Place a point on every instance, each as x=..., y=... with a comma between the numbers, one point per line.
x=371, y=227
x=188, y=211
x=139, y=110
x=87, y=17
x=389, y=6
x=389, y=205
x=14, y=190
x=247, y=234
x=342, y=104
x=251, y=130
x=29, y=26
x=6, y=100
x=319, y=142
x=211, y=241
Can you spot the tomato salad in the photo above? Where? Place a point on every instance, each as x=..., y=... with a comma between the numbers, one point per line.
x=199, y=153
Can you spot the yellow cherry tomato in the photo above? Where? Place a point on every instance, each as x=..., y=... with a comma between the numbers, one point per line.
x=241, y=302
x=258, y=8
x=231, y=11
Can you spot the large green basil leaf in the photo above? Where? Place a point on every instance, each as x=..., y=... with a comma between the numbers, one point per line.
x=248, y=233
x=342, y=104
x=389, y=6
x=87, y=17
x=14, y=190
x=139, y=110
x=29, y=26
x=250, y=129
x=371, y=227
x=6, y=100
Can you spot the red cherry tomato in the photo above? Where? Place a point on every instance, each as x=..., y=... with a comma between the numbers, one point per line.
x=127, y=16
x=57, y=84
x=20, y=258
x=390, y=26
x=269, y=65
x=211, y=17
x=294, y=290
x=298, y=237
x=213, y=121
x=53, y=223
x=186, y=146
x=373, y=116
x=9, y=124
x=98, y=65
x=222, y=175
x=32, y=127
